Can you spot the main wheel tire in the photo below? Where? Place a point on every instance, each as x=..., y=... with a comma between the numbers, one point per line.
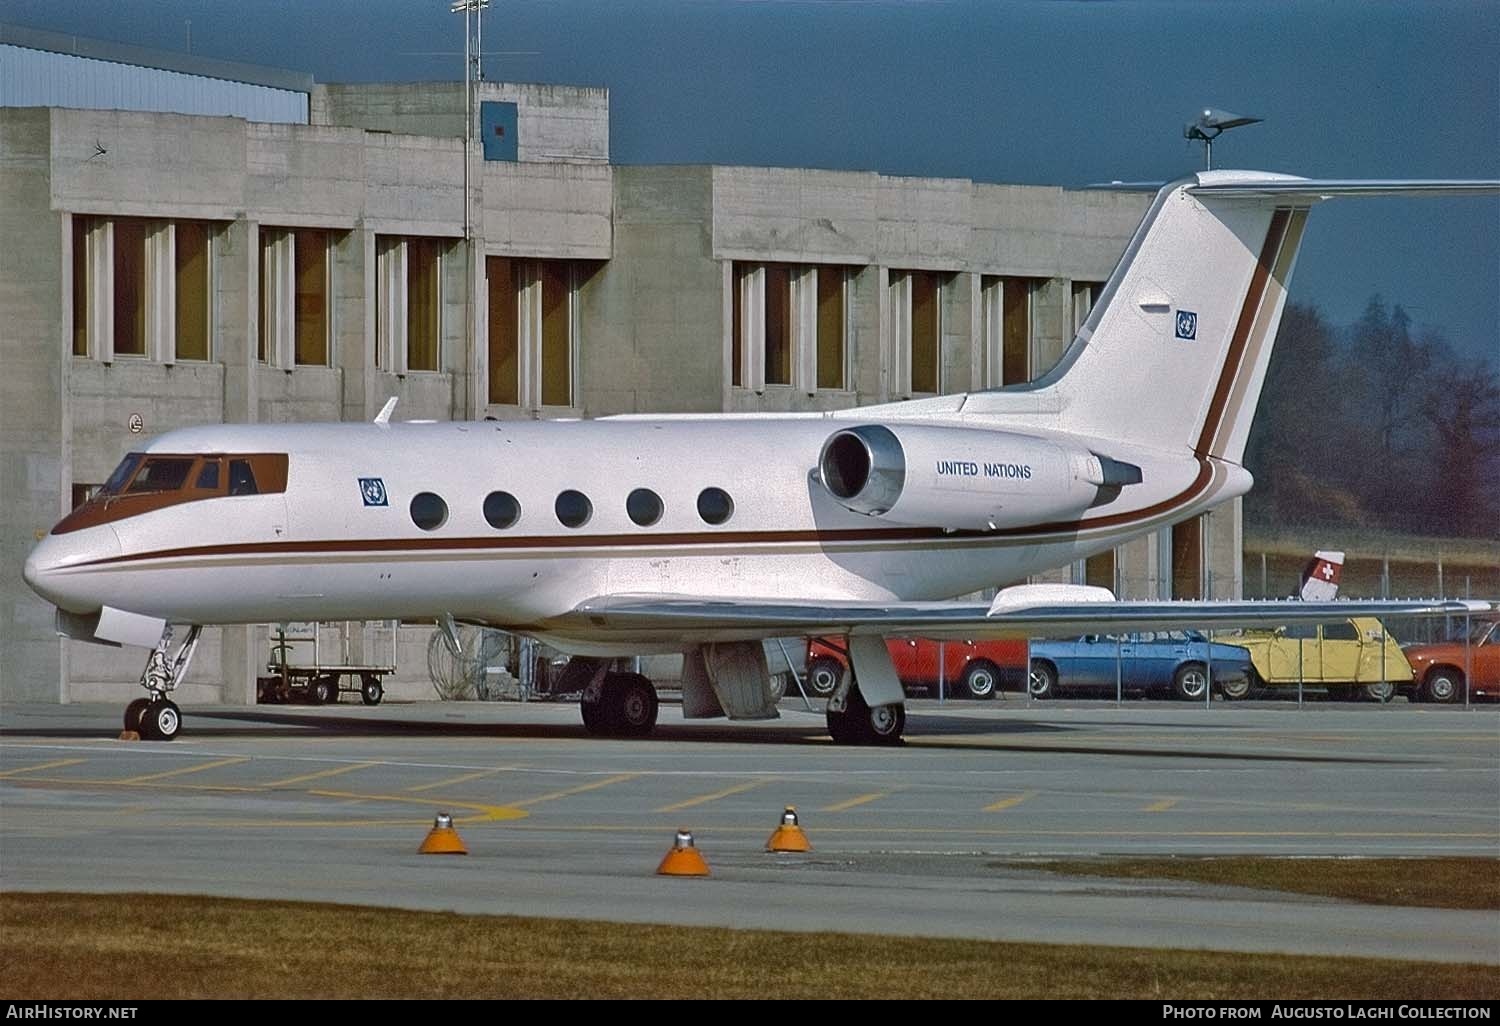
x=861, y=724
x=162, y=720
x=823, y=676
x=632, y=700
x=596, y=718
x=776, y=686
x=982, y=678
x=1381, y=691
x=133, y=713
x=1442, y=684
x=1190, y=682
x=1042, y=681
x=371, y=691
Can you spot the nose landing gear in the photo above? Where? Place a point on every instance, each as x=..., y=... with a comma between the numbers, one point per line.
x=157, y=718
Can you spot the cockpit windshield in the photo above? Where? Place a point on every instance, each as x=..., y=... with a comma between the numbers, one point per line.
x=144, y=482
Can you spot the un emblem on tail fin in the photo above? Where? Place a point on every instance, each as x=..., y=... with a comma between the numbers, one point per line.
x=1187, y=324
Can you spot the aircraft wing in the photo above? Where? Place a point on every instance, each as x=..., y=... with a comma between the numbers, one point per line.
x=1009, y=616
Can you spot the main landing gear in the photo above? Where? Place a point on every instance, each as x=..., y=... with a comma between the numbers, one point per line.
x=619, y=705
x=157, y=718
x=853, y=721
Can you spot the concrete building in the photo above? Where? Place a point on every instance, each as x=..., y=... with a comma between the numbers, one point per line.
x=163, y=269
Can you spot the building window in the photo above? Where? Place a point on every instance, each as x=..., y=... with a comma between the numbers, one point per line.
x=310, y=257
x=1085, y=295
x=833, y=285
x=408, y=303
x=193, y=287
x=82, y=227
x=129, y=251
x=295, y=290
x=1007, y=329
x=504, y=331
x=142, y=288
x=789, y=326
x=423, y=296
x=917, y=330
x=533, y=330
x=1187, y=559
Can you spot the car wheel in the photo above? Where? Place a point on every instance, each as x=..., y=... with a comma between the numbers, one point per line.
x=1042, y=681
x=823, y=676
x=776, y=686
x=981, y=677
x=1190, y=682
x=1235, y=689
x=1381, y=691
x=1443, y=685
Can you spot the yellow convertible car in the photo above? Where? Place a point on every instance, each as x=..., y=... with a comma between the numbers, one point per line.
x=1356, y=658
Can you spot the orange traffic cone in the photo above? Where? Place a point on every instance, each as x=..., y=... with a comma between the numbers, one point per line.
x=683, y=859
x=788, y=836
x=442, y=839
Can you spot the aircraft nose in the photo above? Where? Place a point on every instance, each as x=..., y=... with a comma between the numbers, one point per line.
x=54, y=568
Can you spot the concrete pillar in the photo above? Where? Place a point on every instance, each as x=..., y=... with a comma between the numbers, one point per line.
x=237, y=316
x=354, y=323
x=34, y=342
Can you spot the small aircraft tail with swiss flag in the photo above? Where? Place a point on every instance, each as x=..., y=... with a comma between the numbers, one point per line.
x=1320, y=580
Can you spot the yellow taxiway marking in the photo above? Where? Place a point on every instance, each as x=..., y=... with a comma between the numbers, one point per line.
x=704, y=799
x=1009, y=803
x=580, y=789
x=185, y=770
x=852, y=802
x=1161, y=806
x=54, y=764
x=479, y=813
x=460, y=779
x=321, y=774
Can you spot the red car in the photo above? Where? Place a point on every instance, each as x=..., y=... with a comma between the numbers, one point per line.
x=975, y=668
x=1439, y=670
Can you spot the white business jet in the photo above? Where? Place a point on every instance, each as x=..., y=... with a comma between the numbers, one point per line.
x=705, y=534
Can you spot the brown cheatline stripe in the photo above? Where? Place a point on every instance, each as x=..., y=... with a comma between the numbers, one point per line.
x=1236, y=354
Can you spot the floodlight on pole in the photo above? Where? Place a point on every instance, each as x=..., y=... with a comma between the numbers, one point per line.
x=1208, y=126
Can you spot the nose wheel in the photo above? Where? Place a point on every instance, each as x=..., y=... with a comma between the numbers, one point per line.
x=157, y=718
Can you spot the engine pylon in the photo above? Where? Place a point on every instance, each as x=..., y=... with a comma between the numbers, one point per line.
x=789, y=836
x=442, y=839
x=684, y=859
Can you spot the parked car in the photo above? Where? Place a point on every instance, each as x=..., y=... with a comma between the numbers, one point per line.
x=1182, y=663
x=1438, y=671
x=1355, y=658
x=973, y=668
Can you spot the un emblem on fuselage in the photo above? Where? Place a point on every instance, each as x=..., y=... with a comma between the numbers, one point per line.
x=373, y=490
x=1187, y=324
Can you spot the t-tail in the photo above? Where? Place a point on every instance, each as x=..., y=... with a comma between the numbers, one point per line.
x=1175, y=351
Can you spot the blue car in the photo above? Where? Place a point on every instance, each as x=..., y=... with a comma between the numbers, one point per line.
x=1175, y=662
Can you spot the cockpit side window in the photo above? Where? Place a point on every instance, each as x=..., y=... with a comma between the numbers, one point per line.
x=161, y=474
x=208, y=476
x=122, y=474
x=241, y=478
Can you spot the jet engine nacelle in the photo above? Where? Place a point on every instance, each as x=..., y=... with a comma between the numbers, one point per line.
x=965, y=478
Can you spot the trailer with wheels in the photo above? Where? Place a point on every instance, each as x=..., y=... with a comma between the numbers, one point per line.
x=297, y=671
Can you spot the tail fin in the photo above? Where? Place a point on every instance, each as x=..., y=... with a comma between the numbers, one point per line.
x=1320, y=578
x=1175, y=352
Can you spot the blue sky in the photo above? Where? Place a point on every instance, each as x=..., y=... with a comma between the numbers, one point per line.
x=1035, y=92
